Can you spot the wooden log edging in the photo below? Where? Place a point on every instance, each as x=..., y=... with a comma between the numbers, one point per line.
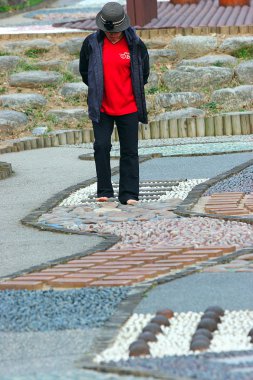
x=5, y=170
x=228, y=124
x=144, y=33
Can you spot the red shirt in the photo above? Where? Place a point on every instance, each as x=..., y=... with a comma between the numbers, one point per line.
x=118, y=98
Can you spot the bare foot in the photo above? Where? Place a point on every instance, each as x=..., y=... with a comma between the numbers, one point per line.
x=102, y=199
x=132, y=202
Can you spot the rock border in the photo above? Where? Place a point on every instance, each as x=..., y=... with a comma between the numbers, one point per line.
x=184, y=209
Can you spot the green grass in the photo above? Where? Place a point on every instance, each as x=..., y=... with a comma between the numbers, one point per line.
x=244, y=52
x=5, y=7
x=35, y=53
x=68, y=77
x=2, y=90
x=24, y=66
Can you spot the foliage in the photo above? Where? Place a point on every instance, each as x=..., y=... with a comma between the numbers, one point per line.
x=12, y=5
x=24, y=66
x=2, y=90
x=244, y=52
x=35, y=52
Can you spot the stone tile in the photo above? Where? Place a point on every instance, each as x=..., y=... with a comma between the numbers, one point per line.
x=29, y=285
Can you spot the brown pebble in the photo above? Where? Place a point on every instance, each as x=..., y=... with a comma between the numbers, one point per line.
x=153, y=328
x=166, y=312
x=211, y=315
x=160, y=320
x=208, y=323
x=139, y=348
x=217, y=309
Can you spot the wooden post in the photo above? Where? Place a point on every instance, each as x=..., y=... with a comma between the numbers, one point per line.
x=62, y=138
x=78, y=137
x=251, y=122
x=154, y=129
x=146, y=131
x=236, y=124
x=200, y=126
x=218, y=125
x=227, y=125
x=70, y=137
x=86, y=135
x=209, y=126
x=141, y=12
x=191, y=127
x=182, y=127
x=245, y=124
x=164, y=129
x=173, y=128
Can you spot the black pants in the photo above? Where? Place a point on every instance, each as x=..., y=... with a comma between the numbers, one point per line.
x=127, y=126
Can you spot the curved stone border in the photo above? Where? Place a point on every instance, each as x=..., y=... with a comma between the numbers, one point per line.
x=5, y=170
x=184, y=209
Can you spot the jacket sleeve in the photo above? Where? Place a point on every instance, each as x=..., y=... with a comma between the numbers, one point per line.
x=145, y=62
x=84, y=61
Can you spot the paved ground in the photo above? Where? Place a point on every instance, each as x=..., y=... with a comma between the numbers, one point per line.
x=38, y=176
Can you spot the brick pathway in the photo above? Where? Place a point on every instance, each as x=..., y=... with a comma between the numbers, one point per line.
x=232, y=203
x=116, y=267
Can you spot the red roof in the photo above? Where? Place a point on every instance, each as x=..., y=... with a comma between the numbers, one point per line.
x=205, y=13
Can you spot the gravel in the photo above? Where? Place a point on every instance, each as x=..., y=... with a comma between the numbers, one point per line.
x=241, y=182
x=51, y=310
x=204, y=367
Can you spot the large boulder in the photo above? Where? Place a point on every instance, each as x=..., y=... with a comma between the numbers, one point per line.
x=231, y=44
x=72, y=46
x=11, y=121
x=162, y=55
x=155, y=43
x=210, y=60
x=185, y=112
x=153, y=81
x=20, y=46
x=244, y=72
x=17, y=101
x=193, y=46
x=234, y=97
x=50, y=65
x=74, y=89
x=8, y=62
x=190, y=78
x=67, y=114
x=35, y=78
x=179, y=99
x=73, y=67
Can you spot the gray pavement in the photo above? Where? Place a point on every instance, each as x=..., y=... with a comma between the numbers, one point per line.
x=39, y=174
x=231, y=291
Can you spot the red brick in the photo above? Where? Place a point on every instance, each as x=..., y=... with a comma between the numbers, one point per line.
x=172, y=264
x=165, y=250
x=54, y=273
x=137, y=249
x=145, y=272
x=180, y=259
x=135, y=278
x=65, y=268
x=106, y=257
x=130, y=261
x=73, y=266
x=85, y=261
x=35, y=278
x=86, y=275
x=148, y=258
x=111, y=283
x=100, y=270
x=215, y=249
x=116, y=266
x=29, y=285
x=70, y=282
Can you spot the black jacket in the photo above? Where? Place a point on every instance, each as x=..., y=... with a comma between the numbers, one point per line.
x=91, y=70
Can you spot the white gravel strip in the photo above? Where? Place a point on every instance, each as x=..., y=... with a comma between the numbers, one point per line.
x=175, y=340
x=180, y=191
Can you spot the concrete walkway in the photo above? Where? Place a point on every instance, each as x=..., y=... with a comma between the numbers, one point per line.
x=39, y=174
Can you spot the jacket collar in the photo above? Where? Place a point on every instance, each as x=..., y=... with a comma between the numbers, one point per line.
x=130, y=34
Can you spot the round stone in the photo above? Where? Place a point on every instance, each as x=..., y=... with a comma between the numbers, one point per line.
x=217, y=309
x=211, y=315
x=166, y=312
x=139, y=348
x=203, y=332
x=208, y=323
x=153, y=328
x=200, y=344
x=147, y=336
x=251, y=333
x=160, y=320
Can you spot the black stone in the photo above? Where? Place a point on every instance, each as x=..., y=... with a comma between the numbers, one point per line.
x=203, y=332
x=153, y=328
x=147, y=336
x=139, y=348
x=200, y=344
x=217, y=309
x=208, y=323
x=211, y=315
x=166, y=312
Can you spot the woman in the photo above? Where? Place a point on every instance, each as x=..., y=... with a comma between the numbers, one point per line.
x=114, y=64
